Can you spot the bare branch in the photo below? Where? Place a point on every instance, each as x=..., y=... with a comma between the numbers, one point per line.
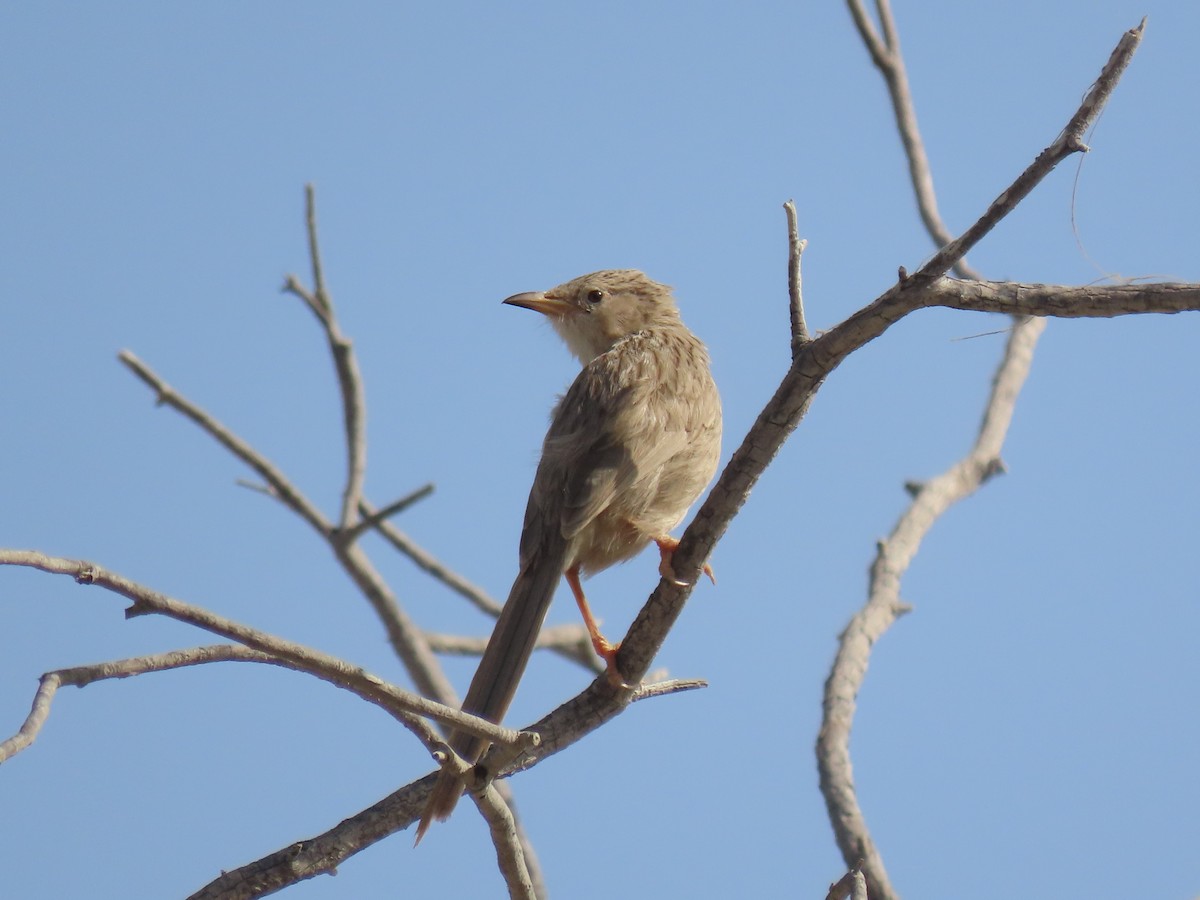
x=883, y=605
x=322, y=854
x=876, y=46
x=433, y=566
x=795, y=294
x=349, y=377
x=404, y=636
x=314, y=250
x=885, y=53
x=398, y=811
x=400, y=703
x=407, y=639
x=281, y=487
x=532, y=865
x=515, y=854
x=1063, y=301
x=394, y=508
x=81, y=676
x=1069, y=141
x=509, y=854
x=569, y=641
x=38, y=713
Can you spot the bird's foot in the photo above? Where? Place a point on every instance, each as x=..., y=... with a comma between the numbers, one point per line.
x=607, y=651
x=666, y=550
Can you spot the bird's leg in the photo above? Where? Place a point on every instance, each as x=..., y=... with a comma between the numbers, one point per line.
x=666, y=549
x=604, y=648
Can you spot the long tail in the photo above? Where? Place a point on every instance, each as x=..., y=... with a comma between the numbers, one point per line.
x=500, y=670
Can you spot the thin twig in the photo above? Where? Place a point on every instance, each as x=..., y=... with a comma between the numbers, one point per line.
x=81, y=676
x=349, y=377
x=405, y=637
x=568, y=641
x=370, y=687
x=433, y=566
x=795, y=291
x=394, y=508
x=314, y=249
x=883, y=605
x=509, y=854
x=870, y=36
x=1063, y=301
x=39, y=711
x=281, y=487
x=663, y=688
x=1068, y=142
x=885, y=53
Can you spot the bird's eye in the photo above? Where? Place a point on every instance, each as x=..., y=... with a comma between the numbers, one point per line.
x=595, y=297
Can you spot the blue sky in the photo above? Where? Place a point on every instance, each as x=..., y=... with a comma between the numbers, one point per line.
x=1032, y=722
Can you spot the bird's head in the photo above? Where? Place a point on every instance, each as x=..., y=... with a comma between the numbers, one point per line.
x=593, y=312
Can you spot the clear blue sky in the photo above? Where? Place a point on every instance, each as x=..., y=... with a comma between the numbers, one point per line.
x=1033, y=722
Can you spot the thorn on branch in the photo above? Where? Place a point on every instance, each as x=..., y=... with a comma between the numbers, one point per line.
x=902, y=275
x=913, y=488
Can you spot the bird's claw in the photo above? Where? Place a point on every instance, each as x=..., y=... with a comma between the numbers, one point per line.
x=607, y=651
x=666, y=550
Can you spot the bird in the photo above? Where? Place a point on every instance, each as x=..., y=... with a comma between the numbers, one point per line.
x=631, y=444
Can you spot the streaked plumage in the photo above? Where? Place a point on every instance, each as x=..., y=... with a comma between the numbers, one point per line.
x=631, y=445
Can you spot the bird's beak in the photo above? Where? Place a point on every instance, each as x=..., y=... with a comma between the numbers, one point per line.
x=542, y=302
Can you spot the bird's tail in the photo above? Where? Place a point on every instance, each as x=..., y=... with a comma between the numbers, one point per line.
x=500, y=670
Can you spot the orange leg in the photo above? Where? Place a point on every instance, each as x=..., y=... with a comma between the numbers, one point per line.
x=666, y=549
x=604, y=648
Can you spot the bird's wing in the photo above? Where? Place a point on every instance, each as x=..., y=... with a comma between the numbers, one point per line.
x=616, y=424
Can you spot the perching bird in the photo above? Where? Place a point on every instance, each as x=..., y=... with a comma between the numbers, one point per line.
x=631, y=445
